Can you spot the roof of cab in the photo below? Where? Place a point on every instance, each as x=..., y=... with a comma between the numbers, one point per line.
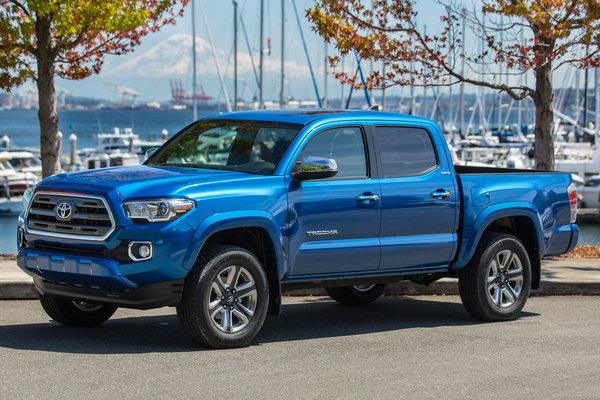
x=305, y=116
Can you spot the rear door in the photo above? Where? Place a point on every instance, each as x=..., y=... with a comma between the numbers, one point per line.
x=420, y=201
x=334, y=223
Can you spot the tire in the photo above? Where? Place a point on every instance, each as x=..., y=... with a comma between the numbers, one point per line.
x=74, y=312
x=212, y=310
x=491, y=289
x=356, y=295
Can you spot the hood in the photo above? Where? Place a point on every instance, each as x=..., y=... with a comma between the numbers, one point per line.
x=143, y=181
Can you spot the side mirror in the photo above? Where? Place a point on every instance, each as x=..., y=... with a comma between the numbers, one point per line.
x=149, y=152
x=315, y=168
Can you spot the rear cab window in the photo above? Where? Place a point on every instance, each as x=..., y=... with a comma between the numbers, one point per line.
x=405, y=151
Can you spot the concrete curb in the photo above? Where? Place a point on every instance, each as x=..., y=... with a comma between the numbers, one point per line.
x=560, y=277
x=26, y=291
x=17, y=291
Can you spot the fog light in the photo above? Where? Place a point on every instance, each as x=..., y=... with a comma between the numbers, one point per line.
x=144, y=251
x=140, y=251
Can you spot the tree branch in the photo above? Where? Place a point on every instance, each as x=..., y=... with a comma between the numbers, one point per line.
x=21, y=6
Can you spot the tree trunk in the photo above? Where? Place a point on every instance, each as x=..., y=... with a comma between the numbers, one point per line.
x=544, y=118
x=49, y=136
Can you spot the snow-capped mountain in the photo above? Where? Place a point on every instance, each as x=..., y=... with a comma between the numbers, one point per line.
x=170, y=58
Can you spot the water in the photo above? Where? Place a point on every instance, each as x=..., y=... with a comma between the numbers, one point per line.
x=23, y=129
x=589, y=235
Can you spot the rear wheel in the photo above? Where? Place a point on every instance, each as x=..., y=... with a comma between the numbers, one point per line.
x=496, y=283
x=75, y=312
x=225, y=298
x=356, y=295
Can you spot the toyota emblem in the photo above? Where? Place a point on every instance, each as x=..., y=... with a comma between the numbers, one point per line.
x=64, y=210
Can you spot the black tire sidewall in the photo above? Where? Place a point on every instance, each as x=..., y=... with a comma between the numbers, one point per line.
x=350, y=296
x=201, y=297
x=500, y=243
x=64, y=311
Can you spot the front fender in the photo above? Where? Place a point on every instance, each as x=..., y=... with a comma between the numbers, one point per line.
x=236, y=219
x=472, y=234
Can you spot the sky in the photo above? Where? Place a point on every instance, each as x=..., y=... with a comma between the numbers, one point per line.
x=167, y=55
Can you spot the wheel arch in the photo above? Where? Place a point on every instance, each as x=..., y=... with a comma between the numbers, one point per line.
x=522, y=222
x=256, y=232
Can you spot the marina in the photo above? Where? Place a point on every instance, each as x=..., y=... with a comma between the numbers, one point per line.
x=112, y=137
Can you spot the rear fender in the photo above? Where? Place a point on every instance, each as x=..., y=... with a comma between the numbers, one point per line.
x=472, y=236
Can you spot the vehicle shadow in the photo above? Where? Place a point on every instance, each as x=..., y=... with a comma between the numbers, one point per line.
x=308, y=319
x=326, y=318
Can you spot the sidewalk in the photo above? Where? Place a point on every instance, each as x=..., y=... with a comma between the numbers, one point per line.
x=560, y=277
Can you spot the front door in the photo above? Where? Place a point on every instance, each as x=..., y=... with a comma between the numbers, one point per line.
x=334, y=223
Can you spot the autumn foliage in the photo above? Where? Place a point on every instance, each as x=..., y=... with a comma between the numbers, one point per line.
x=81, y=33
x=522, y=36
x=69, y=38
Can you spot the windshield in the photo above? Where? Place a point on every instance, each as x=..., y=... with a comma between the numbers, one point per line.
x=248, y=146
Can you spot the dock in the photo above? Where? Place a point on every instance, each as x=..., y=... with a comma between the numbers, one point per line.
x=588, y=215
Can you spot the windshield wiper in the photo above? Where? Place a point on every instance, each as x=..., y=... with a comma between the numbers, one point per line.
x=200, y=166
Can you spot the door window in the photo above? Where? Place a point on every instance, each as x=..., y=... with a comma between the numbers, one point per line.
x=345, y=146
x=405, y=151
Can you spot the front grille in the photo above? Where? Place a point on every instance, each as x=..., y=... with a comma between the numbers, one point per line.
x=88, y=216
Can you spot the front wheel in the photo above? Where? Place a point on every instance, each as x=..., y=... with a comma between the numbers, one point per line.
x=74, y=312
x=496, y=283
x=225, y=298
x=356, y=295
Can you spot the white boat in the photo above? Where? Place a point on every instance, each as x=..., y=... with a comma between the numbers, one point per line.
x=24, y=161
x=584, y=166
x=117, y=149
x=13, y=182
x=114, y=159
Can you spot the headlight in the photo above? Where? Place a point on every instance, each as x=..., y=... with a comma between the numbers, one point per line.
x=157, y=210
x=27, y=197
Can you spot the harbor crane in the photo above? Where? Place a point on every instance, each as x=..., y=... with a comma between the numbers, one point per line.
x=126, y=96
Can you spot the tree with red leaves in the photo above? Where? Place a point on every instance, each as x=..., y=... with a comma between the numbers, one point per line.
x=556, y=32
x=69, y=38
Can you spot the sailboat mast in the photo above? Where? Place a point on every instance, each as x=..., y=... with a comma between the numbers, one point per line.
x=412, y=92
x=325, y=76
x=235, y=56
x=520, y=104
x=462, y=84
x=261, y=56
x=214, y=54
x=585, y=98
x=481, y=89
x=312, y=74
x=500, y=83
x=424, y=99
x=597, y=100
x=194, y=83
x=281, y=94
x=383, y=89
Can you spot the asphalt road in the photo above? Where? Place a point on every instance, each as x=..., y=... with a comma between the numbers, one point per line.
x=398, y=347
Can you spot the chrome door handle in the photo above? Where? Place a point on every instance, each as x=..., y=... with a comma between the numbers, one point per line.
x=440, y=195
x=369, y=198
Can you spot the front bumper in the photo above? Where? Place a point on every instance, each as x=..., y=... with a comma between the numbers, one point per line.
x=73, y=270
x=95, y=280
x=143, y=297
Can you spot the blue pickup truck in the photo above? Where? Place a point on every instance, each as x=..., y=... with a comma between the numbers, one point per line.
x=237, y=208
